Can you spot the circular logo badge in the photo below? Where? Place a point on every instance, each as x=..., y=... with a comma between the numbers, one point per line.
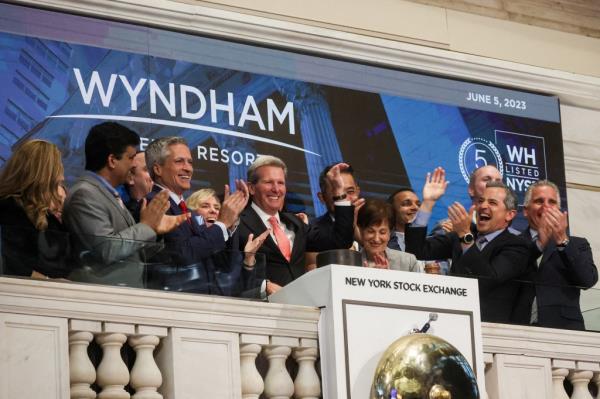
x=476, y=152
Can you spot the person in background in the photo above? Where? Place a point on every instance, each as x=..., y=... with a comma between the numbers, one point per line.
x=206, y=205
x=138, y=186
x=375, y=222
x=409, y=209
x=326, y=222
x=561, y=264
x=32, y=193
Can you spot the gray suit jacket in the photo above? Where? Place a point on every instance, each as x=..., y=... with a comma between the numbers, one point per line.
x=108, y=242
x=399, y=260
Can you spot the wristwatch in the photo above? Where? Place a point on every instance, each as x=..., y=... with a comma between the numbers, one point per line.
x=339, y=197
x=467, y=239
x=564, y=243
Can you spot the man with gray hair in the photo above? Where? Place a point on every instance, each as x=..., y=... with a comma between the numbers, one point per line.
x=489, y=253
x=561, y=265
x=290, y=237
x=169, y=162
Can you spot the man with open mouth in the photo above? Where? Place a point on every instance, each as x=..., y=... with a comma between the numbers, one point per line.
x=488, y=252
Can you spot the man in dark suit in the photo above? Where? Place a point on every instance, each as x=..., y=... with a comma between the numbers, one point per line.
x=326, y=222
x=284, y=250
x=350, y=191
x=561, y=265
x=187, y=247
x=490, y=253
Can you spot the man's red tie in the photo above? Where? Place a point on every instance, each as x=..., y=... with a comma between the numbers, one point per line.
x=184, y=209
x=283, y=242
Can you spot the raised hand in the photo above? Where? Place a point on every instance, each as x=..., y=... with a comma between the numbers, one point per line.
x=544, y=231
x=461, y=220
x=435, y=185
x=334, y=177
x=446, y=225
x=233, y=204
x=152, y=213
x=252, y=246
x=302, y=216
x=170, y=222
x=558, y=223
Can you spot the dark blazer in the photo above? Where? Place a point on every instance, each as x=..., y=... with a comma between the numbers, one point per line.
x=193, y=259
x=312, y=238
x=189, y=242
x=341, y=236
x=557, y=282
x=502, y=260
x=25, y=249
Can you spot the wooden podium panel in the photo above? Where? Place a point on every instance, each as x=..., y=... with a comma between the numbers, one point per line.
x=364, y=310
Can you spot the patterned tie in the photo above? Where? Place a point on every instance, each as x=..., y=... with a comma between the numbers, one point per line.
x=184, y=209
x=283, y=242
x=481, y=241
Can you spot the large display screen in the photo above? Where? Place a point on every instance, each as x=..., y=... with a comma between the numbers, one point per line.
x=61, y=74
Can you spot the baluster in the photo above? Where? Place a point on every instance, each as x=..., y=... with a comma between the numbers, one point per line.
x=252, y=382
x=307, y=384
x=82, y=372
x=580, y=380
x=558, y=377
x=145, y=375
x=112, y=371
x=596, y=380
x=488, y=361
x=278, y=383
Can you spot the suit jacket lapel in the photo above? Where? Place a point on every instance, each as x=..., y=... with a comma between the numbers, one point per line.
x=111, y=199
x=251, y=219
x=548, y=251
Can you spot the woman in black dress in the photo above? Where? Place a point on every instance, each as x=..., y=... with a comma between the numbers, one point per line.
x=34, y=241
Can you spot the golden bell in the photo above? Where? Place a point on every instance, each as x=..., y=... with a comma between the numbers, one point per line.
x=423, y=366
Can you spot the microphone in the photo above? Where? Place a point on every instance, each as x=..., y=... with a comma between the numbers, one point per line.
x=432, y=317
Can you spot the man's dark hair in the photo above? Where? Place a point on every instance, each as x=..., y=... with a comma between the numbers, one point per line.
x=322, y=177
x=400, y=189
x=105, y=139
x=511, y=201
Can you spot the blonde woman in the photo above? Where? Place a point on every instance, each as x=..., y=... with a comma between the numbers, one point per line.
x=34, y=241
x=206, y=204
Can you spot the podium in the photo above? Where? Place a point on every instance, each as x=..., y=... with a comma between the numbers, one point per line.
x=364, y=310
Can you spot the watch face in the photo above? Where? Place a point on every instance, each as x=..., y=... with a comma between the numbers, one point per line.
x=467, y=238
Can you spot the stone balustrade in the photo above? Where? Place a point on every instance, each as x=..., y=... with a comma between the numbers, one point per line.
x=202, y=346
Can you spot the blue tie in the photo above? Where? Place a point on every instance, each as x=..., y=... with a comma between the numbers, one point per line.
x=394, y=243
x=481, y=241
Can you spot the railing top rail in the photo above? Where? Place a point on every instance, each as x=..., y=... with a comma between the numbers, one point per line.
x=148, y=307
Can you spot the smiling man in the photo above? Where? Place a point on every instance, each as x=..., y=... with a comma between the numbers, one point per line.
x=562, y=265
x=169, y=162
x=490, y=253
x=290, y=237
